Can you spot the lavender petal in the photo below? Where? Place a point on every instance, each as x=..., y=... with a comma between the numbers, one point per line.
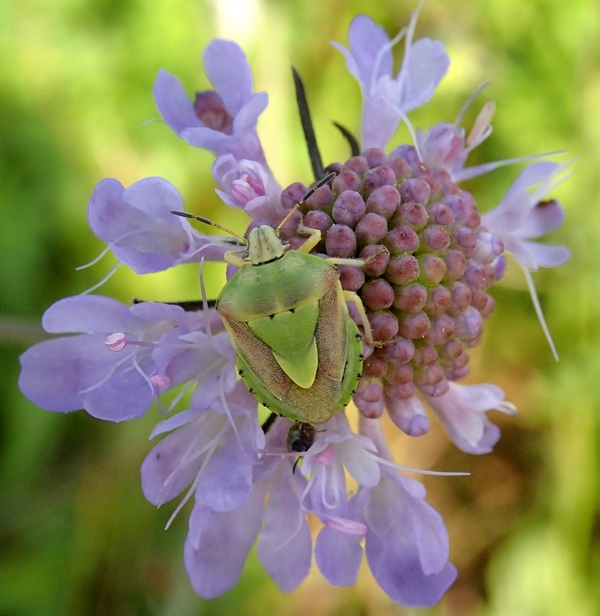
x=173, y=103
x=338, y=556
x=284, y=542
x=218, y=545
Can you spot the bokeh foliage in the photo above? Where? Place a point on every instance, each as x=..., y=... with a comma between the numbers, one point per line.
x=76, y=535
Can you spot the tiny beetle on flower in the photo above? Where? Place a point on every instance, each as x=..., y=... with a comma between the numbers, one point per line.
x=298, y=350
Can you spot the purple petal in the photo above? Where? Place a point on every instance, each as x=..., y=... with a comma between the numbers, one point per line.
x=284, y=543
x=400, y=577
x=88, y=313
x=535, y=174
x=68, y=374
x=173, y=422
x=338, y=556
x=213, y=385
x=409, y=415
x=218, y=544
x=137, y=223
x=532, y=255
x=548, y=255
x=226, y=65
x=125, y=395
x=54, y=371
x=156, y=198
x=379, y=122
x=173, y=103
x=226, y=482
x=406, y=544
x=244, y=129
x=201, y=360
x=243, y=144
x=208, y=139
x=462, y=410
x=541, y=220
x=366, y=40
x=515, y=207
x=426, y=65
x=171, y=465
x=156, y=312
x=245, y=121
x=363, y=468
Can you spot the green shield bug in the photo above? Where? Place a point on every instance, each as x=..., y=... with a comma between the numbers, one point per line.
x=298, y=350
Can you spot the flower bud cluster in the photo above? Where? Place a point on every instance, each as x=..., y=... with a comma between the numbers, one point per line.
x=429, y=263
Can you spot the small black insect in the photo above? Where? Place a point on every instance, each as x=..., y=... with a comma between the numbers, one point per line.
x=300, y=437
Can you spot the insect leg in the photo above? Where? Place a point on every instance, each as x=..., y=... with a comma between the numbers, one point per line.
x=352, y=297
x=236, y=257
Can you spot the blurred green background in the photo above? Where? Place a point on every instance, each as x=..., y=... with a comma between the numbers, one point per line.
x=76, y=535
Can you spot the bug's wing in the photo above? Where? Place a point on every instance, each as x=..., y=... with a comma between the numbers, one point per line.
x=291, y=337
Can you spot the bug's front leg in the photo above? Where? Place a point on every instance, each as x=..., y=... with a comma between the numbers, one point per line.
x=313, y=237
x=236, y=257
x=355, y=261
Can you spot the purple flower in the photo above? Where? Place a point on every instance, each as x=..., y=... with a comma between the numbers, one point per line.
x=336, y=448
x=416, y=260
x=462, y=410
x=405, y=539
x=120, y=382
x=139, y=228
x=387, y=99
x=522, y=217
x=210, y=448
x=222, y=120
x=247, y=185
x=446, y=146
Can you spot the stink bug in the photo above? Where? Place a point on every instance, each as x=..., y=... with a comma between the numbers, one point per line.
x=298, y=350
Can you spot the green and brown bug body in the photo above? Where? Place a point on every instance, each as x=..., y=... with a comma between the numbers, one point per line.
x=299, y=352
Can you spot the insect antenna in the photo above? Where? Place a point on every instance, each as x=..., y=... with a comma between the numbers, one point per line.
x=212, y=223
x=302, y=201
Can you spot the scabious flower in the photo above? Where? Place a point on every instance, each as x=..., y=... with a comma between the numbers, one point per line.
x=407, y=239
